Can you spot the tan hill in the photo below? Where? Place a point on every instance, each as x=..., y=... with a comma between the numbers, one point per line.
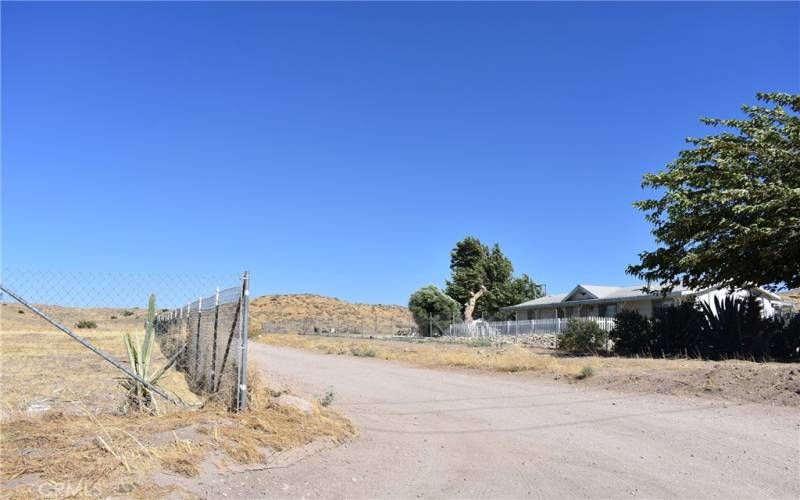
x=282, y=313
x=303, y=313
x=15, y=317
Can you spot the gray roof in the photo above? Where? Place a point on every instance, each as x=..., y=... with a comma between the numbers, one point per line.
x=597, y=294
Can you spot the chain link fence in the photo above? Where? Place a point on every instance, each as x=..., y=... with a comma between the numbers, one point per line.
x=203, y=335
x=321, y=326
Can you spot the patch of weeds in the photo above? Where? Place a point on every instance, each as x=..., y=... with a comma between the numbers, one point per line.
x=85, y=323
x=327, y=398
x=113, y=317
x=711, y=386
x=127, y=313
x=362, y=352
x=586, y=372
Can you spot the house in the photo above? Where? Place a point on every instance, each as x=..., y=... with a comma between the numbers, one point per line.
x=604, y=301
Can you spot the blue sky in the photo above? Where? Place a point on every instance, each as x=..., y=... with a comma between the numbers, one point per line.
x=342, y=149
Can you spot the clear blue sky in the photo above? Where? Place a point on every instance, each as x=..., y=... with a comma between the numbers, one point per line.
x=343, y=149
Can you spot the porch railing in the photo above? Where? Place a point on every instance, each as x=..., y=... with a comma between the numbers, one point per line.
x=554, y=326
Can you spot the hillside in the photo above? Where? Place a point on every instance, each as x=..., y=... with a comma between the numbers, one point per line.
x=283, y=313
x=303, y=312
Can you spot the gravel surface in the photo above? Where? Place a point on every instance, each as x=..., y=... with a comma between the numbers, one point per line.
x=439, y=433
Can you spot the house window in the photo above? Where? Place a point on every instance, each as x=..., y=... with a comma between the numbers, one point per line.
x=661, y=304
x=608, y=310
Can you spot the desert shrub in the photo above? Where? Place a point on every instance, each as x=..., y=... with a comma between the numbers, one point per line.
x=127, y=313
x=730, y=328
x=734, y=328
x=632, y=333
x=582, y=335
x=676, y=331
x=85, y=323
x=327, y=398
x=586, y=372
x=113, y=317
x=362, y=351
x=785, y=344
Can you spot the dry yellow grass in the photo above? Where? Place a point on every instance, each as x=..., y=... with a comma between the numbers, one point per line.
x=772, y=383
x=63, y=434
x=501, y=357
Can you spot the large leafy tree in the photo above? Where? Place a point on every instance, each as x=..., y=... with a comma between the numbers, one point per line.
x=482, y=280
x=729, y=211
x=432, y=309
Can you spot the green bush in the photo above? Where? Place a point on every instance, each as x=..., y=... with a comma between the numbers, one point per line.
x=730, y=328
x=127, y=313
x=785, y=343
x=632, y=334
x=582, y=335
x=433, y=310
x=85, y=323
x=676, y=331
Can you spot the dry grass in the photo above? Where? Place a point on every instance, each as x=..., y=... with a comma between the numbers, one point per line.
x=501, y=357
x=63, y=433
x=113, y=453
x=771, y=383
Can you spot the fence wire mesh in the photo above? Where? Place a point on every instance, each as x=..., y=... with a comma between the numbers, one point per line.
x=313, y=325
x=206, y=336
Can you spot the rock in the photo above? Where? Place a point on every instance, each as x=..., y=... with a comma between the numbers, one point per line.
x=300, y=404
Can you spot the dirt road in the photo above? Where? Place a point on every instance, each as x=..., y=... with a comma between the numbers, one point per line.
x=445, y=433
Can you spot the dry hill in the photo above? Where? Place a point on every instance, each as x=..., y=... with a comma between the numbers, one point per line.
x=304, y=312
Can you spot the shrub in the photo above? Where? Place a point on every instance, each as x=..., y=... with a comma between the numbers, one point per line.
x=785, y=344
x=84, y=323
x=582, y=335
x=327, y=398
x=362, y=352
x=734, y=328
x=632, y=333
x=586, y=372
x=127, y=313
x=433, y=310
x=676, y=331
x=113, y=317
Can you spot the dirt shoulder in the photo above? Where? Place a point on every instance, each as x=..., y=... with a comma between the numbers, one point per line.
x=64, y=434
x=736, y=380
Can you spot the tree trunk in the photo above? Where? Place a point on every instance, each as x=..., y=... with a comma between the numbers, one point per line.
x=470, y=305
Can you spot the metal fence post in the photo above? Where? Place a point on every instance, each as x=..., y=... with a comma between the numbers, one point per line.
x=197, y=339
x=214, y=343
x=241, y=392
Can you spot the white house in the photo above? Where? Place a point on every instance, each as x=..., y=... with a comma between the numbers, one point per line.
x=605, y=301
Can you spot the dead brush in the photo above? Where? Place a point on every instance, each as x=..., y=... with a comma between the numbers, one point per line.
x=106, y=452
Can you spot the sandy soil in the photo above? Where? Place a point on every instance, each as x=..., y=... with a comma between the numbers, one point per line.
x=457, y=433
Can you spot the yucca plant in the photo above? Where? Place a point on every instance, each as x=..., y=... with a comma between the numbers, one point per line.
x=140, y=397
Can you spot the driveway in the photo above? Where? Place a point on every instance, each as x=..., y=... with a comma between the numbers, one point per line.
x=438, y=433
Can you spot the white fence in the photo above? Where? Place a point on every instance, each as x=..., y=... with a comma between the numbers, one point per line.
x=555, y=326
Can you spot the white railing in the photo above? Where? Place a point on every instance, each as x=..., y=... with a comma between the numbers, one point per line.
x=554, y=326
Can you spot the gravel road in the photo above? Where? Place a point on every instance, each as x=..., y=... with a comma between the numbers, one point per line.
x=433, y=433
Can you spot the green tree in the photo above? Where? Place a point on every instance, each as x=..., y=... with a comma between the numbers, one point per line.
x=432, y=309
x=729, y=213
x=482, y=280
